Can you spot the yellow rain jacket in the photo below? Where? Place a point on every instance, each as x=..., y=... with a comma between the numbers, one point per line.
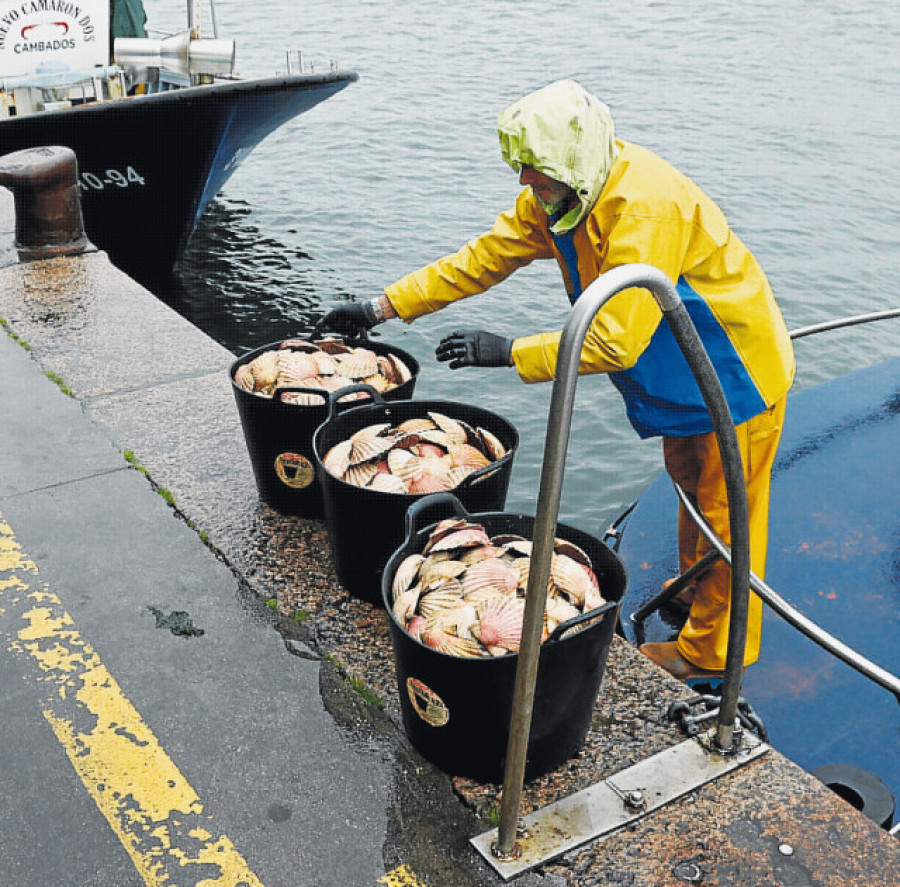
x=633, y=207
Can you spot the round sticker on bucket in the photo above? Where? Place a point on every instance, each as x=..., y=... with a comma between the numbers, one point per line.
x=294, y=470
x=427, y=704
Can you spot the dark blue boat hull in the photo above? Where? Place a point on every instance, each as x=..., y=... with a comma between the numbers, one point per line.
x=149, y=165
x=834, y=554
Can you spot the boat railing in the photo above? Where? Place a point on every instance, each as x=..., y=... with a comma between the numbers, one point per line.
x=769, y=596
x=46, y=90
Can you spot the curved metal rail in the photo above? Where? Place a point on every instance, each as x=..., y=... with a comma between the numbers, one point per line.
x=790, y=614
x=558, y=427
x=770, y=597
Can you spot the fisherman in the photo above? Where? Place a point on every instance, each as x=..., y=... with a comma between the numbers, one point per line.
x=593, y=202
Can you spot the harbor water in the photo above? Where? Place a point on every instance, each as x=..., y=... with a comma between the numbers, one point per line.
x=788, y=116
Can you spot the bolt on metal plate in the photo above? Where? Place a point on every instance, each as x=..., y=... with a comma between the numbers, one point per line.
x=609, y=805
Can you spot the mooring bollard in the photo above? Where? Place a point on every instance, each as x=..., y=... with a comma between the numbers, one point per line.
x=44, y=183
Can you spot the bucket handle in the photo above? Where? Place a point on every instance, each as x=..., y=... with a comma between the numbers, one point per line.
x=578, y=621
x=429, y=503
x=335, y=396
x=299, y=389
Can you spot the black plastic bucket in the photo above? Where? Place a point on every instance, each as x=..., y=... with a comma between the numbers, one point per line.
x=457, y=712
x=279, y=435
x=365, y=526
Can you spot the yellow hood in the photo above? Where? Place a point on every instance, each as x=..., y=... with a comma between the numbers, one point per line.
x=566, y=133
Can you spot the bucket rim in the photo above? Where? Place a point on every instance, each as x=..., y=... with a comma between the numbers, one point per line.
x=413, y=364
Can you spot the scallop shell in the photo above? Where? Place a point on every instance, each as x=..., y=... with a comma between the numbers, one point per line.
x=479, y=553
x=490, y=574
x=358, y=364
x=303, y=398
x=516, y=547
x=333, y=345
x=360, y=474
x=387, y=483
x=432, y=451
x=265, y=370
x=443, y=597
x=468, y=537
x=500, y=623
x=457, y=475
x=407, y=573
x=404, y=606
x=570, y=549
x=415, y=625
x=593, y=599
x=294, y=367
x=298, y=345
x=416, y=424
x=378, y=382
x=570, y=578
x=492, y=445
x=436, y=436
x=369, y=443
x=243, y=378
x=460, y=619
x=393, y=369
x=325, y=363
x=559, y=610
x=428, y=482
x=445, y=642
x=403, y=464
x=337, y=459
x=467, y=456
x=455, y=432
x=401, y=372
x=434, y=569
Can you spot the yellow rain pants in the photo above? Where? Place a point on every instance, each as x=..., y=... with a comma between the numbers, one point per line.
x=694, y=464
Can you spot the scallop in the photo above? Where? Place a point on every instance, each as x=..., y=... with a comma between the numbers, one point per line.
x=337, y=459
x=500, y=623
x=358, y=364
x=407, y=573
x=384, y=482
x=369, y=443
x=360, y=474
x=447, y=642
x=454, y=431
x=492, y=445
x=464, y=538
x=467, y=456
x=243, y=378
x=570, y=577
x=490, y=574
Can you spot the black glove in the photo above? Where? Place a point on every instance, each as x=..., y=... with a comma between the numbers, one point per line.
x=474, y=348
x=348, y=319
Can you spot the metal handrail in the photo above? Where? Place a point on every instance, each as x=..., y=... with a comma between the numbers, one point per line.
x=855, y=319
x=558, y=427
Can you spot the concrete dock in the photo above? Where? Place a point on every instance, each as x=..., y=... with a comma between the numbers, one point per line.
x=190, y=697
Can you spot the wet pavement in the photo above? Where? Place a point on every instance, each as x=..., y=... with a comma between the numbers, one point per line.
x=191, y=697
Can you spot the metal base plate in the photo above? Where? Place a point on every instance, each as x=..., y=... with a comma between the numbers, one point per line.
x=617, y=801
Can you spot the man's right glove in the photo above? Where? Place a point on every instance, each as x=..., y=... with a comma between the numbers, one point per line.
x=474, y=348
x=348, y=319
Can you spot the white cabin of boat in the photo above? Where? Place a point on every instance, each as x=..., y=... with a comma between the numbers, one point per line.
x=58, y=54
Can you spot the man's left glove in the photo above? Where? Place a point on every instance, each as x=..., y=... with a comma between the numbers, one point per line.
x=348, y=319
x=474, y=348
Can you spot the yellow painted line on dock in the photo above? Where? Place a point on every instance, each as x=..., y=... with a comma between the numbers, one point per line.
x=147, y=802
x=401, y=877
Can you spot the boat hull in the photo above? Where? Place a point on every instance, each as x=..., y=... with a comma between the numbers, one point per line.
x=149, y=164
x=834, y=554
